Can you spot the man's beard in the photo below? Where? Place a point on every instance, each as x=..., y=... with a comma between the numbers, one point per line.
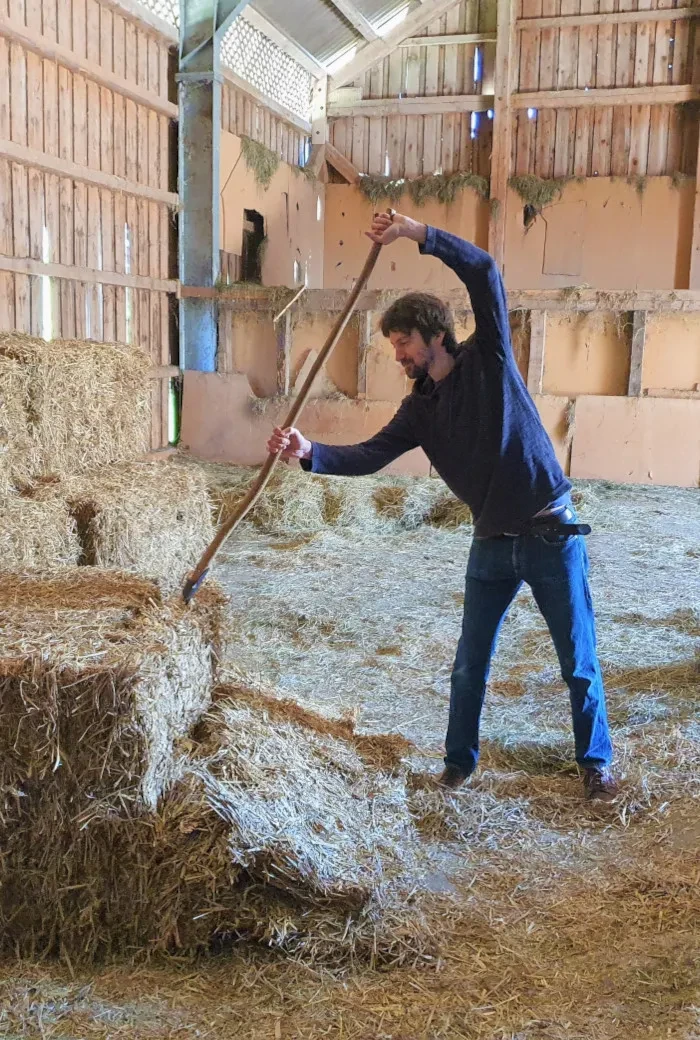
x=414, y=371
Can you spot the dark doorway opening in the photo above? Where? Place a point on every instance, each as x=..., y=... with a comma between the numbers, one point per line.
x=253, y=241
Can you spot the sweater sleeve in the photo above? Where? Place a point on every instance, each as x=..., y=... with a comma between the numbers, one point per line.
x=357, y=460
x=479, y=272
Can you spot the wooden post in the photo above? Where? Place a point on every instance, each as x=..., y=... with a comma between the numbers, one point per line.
x=319, y=112
x=695, y=245
x=504, y=81
x=535, y=365
x=284, y=351
x=639, y=335
x=363, y=345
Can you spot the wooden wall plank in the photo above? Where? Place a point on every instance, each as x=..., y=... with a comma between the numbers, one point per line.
x=79, y=28
x=80, y=254
x=18, y=94
x=49, y=19
x=432, y=134
x=377, y=145
x=35, y=102
x=564, y=134
x=106, y=37
x=528, y=79
x=65, y=114
x=414, y=146
x=6, y=244
x=80, y=136
x=5, y=87
x=660, y=114
x=66, y=255
x=50, y=114
x=396, y=140
x=547, y=119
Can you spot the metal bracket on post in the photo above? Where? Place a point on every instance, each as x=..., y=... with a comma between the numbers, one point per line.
x=202, y=24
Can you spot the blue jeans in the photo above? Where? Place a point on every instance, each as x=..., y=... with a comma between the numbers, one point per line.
x=557, y=573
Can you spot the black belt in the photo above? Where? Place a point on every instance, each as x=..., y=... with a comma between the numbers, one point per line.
x=551, y=525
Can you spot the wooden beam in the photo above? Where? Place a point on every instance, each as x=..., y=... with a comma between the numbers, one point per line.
x=412, y=106
x=571, y=299
x=84, y=175
x=566, y=21
x=448, y=39
x=356, y=18
x=164, y=372
x=694, y=282
x=279, y=110
x=662, y=95
x=340, y=164
x=281, y=40
x=502, y=127
x=639, y=335
x=371, y=53
x=535, y=365
x=689, y=395
x=365, y=339
x=319, y=112
x=22, y=265
x=284, y=353
x=317, y=159
x=51, y=51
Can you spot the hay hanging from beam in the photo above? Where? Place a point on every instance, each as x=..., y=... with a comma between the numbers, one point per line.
x=73, y=405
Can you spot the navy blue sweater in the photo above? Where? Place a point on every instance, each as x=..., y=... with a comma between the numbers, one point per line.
x=478, y=426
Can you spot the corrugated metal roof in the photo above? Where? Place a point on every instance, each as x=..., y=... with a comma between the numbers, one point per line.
x=379, y=11
x=314, y=24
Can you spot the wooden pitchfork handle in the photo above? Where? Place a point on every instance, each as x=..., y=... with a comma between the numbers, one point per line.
x=197, y=576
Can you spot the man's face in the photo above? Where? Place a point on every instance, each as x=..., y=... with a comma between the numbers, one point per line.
x=413, y=353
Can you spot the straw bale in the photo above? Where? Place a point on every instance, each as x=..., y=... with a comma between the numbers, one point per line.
x=98, y=679
x=83, y=404
x=14, y=422
x=149, y=517
x=36, y=534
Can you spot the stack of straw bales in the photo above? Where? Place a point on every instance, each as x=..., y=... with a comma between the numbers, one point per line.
x=122, y=835
x=74, y=421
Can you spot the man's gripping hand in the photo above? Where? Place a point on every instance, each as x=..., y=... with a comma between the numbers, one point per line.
x=290, y=443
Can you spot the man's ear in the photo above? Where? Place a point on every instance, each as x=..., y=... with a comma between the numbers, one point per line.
x=438, y=339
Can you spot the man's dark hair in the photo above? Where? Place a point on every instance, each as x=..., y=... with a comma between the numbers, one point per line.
x=423, y=312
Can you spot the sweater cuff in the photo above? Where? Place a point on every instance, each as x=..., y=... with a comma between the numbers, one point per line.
x=315, y=463
x=427, y=248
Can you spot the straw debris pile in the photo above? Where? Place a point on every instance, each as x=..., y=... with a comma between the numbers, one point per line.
x=69, y=406
x=295, y=501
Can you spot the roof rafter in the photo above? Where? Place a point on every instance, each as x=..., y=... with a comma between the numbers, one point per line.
x=376, y=51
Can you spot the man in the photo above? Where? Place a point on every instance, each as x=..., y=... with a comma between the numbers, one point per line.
x=471, y=413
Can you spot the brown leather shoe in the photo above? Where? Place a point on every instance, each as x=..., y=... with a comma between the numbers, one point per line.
x=599, y=785
x=451, y=777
